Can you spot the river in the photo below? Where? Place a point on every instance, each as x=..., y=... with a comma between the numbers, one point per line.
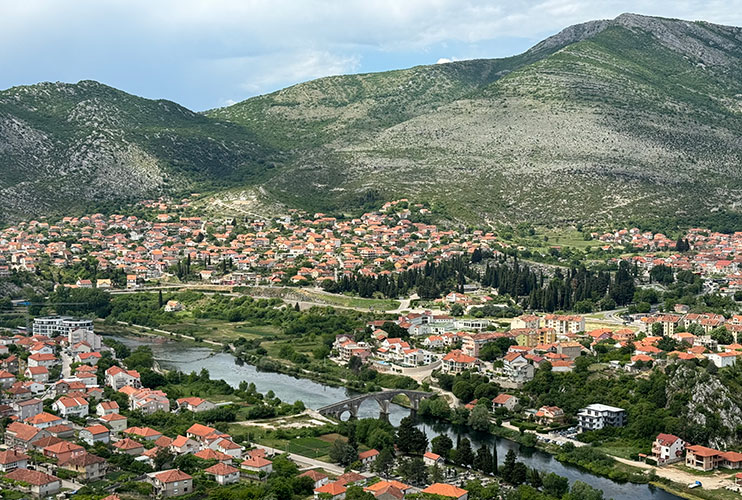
x=189, y=358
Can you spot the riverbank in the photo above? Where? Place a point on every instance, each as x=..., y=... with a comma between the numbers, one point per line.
x=189, y=356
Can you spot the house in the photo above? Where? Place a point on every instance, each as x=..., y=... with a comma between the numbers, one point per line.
x=170, y=483
x=95, y=434
x=257, y=465
x=37, y=374
x=47, y=360
x=128, y=446
x=173, y=306
x=7, y=379
x=388, y=490
x=201, y=432
x=530, y=321
x=107, y=408
x=117, y=423
x=195, y=404
x=63, y=450
x=517, y=368
x=41, y=485
x=565, y=324
x=702, y=458
x=61, y=431
x=149, y=401
x=209, y=454
x=20, y=435
x=87, y=466
x=330, y=491
x=228, y=447
x=597, y=416
x=27, y=408
x=318, y=477
x=547, y=415
x=44, y=420
x=90, y=358
x=71, y=407
x=456, y=362
x=368, y=457
x=506, y=401
x=431, y=458
x=182, y=445
x=117, y=377
x=447, y=491
x=723, y=359
x=12, y=459
x=144, y=432
x=667, y=449
x=224, y=474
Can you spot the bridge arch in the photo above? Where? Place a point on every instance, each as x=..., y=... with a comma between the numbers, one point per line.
x=383, y=398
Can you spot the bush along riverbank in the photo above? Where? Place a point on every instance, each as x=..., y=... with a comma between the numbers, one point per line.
x=587, y=458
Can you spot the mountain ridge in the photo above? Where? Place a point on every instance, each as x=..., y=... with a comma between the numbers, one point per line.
x=630, y=117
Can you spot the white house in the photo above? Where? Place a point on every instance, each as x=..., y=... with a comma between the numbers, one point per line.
x=71, y=407
x=668, y=449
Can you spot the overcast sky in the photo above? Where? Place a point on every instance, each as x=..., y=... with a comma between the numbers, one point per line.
x=205, y=54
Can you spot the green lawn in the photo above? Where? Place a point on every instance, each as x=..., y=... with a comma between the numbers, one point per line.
x=220, y=330
x=313, y=447
x=346, y=301
x=619, y=449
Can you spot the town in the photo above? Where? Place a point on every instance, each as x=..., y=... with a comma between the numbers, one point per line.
x=431, y=319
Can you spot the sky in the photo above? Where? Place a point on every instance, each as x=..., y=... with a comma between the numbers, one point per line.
x=207, y=54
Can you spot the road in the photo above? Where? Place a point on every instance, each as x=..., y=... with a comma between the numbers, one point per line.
x=309, y=463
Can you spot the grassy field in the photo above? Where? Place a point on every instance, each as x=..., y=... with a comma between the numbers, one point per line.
x=221, y=331
x=313, y=447
x=346, y=301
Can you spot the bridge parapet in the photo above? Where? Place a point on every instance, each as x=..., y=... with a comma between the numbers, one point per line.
x=383, y=398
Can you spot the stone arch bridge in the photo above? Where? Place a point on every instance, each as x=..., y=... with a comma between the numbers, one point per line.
x=384, y=399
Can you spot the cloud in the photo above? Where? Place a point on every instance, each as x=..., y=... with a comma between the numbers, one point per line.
x=203, y=53
x=444, y=60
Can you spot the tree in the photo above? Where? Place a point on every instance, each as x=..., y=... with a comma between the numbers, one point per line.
x=414, y=470
x=442, y=445
x=519, y=474
x=384, y=462
x=508, y=465
x=343, y=453
x=436, y=474
x=357, y=493
x=722, y=335
x=555, y=485
x=159, y=299
x=464, y=453
x=479, y=418
x=583, y=491
x=483, y=460
x=534, y=478
x=409, y=438
x=457, y=310
x=355, y=363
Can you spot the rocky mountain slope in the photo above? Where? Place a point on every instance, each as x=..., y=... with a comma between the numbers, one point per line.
x=67, y=145
x=636, y=116
x=633, y=117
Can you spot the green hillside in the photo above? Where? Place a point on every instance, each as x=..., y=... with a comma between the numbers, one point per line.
x=636, y=116
x=66, y=145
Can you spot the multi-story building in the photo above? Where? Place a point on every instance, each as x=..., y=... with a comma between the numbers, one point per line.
x=456, y=362
x=565, y=324
x=597, y=416
x=667, y=449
